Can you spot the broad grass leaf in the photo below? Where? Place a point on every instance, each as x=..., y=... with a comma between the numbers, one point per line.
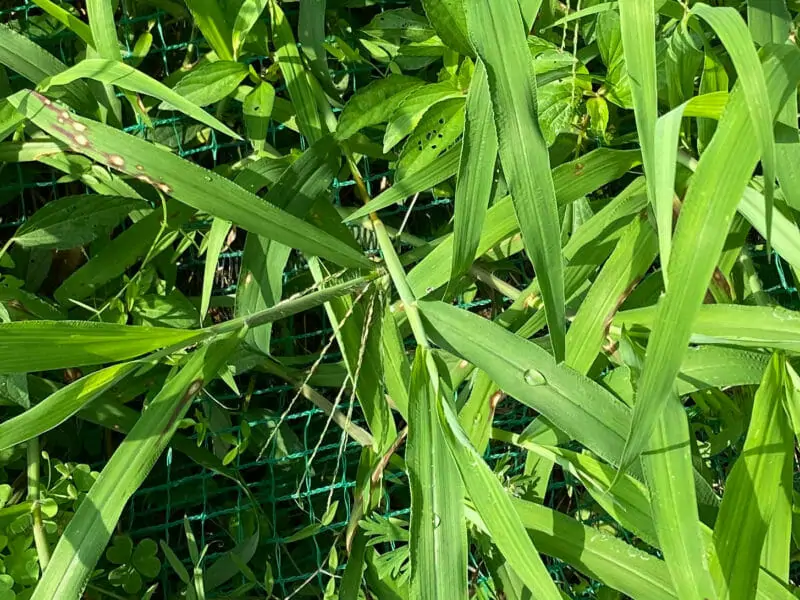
x=114, y=72
x=438, y=533
x=785, y=233
x=396, y=369
x=494, y=507
x=104, y=30
x=209, y=17
x=476, y=173
x=47, y=345
x=375, y=104
x=311, y=35
x=90, y=529
x=74, y=221
x=752, y=488
x=637, y=27
x=296, y=190
x=574, y=404
x=596, y=553
x=357, y=331
x=498, y=34
x=208, y=83
x=713, y=80
x=667, y=465
x=722, y=175
x=187, y=182
x=61, y=405
x=769, y=21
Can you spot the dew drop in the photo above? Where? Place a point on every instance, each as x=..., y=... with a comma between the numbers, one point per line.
x=534, y=377
x=437, y=520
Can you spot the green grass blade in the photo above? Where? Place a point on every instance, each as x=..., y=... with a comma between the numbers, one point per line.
x=87, y=534
x=731, y=324
x=668, y=470
x=734, y=35
x=124, y=251
x=499, y=37
x=209, y=17
x=188, y=183
x=45, y=345
x=475, y=173
x=215, y=240
x=74, y=221
x=396, y=370
x=61, y=405
x=769, y=21
x=104, y=31
x=297, y=79
x=722, y=174
x=630, y=260
x=574, y=404
x=70, y=21
x=637, y=23
x=495, y=508
x=115, y=72
x=296, y=191
x=426, y=177
x=785, y=233
x=438, y=540
x=311, y=35
x=23, y=56
x=752, y=487
x=357, y=330
x=246, y=18
x=572, y=180
x=595, y=553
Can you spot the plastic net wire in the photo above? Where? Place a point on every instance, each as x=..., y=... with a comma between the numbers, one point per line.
x=289, y=493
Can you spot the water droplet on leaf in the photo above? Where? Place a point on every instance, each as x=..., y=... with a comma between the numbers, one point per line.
x=534, y=377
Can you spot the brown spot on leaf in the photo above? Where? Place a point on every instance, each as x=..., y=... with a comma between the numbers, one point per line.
x=139, y=168
x=81, y=140
x=116, y=161
x=79, y=127
x=164, y=188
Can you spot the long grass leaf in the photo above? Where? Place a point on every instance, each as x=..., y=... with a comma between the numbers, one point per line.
x=499, y=37
x=209, y=17
x=27, y=58
x=628, y=263
x=475, y=173
x=311, y=35
x=115, y=72
x=667, y=465
x=246, y=18
x=87, y=534
x=449, y=21
x=572, y=180
x=722, y=175
x=574, y=404
x=752, y=487
x=734, y=35
x=731, y=324
x=438, y=541
x=637, y=23
x=66, y=18
x=192, y=185
x=215, y=240
x=61, y=405
x=46, y=345
x=297, y=78
x=495, y=508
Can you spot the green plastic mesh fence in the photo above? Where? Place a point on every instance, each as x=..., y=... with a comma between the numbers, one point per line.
x=307, y=466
